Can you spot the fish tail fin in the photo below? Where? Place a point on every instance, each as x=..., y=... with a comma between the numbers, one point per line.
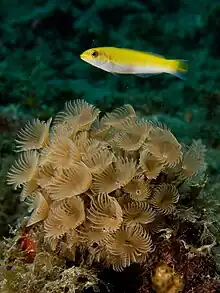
x=179, y=68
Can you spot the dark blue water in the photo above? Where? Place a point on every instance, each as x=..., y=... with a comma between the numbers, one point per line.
x=40, y=69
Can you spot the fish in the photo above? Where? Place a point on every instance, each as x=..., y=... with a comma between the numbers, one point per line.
x=129, y=61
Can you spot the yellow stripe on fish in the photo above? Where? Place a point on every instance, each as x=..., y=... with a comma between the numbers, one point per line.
x=128, y=61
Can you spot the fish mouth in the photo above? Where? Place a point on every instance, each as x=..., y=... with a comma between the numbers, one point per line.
x=82, y=56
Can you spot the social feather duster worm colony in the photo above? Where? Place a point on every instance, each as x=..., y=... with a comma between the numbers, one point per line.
x=103, y=185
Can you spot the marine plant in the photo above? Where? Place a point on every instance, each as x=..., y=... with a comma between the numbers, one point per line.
x=104, y=184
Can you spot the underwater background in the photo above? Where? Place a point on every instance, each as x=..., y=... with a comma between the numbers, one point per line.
x=40, y=69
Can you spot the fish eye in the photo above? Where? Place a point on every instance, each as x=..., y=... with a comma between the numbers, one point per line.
x=94, y=54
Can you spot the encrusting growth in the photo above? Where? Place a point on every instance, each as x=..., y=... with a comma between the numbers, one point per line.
x=103, y=184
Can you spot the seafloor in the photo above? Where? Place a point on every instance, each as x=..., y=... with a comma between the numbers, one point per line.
x=40, y=69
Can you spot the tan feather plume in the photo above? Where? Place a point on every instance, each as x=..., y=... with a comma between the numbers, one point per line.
x=133, y=135
x=105, y=213
x=79, y=113
x=40, y=209
x=106, y=181
x=118, y=262
x=23, y=169
x=99, y=130
x=91, y=236
x=81, y=139
x=164, y=197
x=91, y=147
x=138, y=212
x=29, y=188
x=138, y=189
x=114, y=177
x=194, y=159
x=63, y=153
x=34, y=135
x=164, y=146
x=125, y=170
x=45, y=175
x=118, y=116
x=63, y=216
x=99, y=161
x=150, y=164
x=70, y=182
x=62, y=130
x=130, y=242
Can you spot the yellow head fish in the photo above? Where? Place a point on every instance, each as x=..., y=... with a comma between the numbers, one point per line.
x=127, y=61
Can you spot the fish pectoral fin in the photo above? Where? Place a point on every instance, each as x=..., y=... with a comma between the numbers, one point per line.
x=145, y=75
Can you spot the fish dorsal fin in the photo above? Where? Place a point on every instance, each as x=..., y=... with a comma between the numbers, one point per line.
x=155, y=54
x=147, y=52
x=144, y=52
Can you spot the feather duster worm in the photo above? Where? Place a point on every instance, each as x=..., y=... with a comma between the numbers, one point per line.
x=128, y=243
x=103, y=185
x=105, y=213
x=34, y=135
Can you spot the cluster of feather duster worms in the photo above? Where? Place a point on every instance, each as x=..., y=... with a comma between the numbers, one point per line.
x=104, y=185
